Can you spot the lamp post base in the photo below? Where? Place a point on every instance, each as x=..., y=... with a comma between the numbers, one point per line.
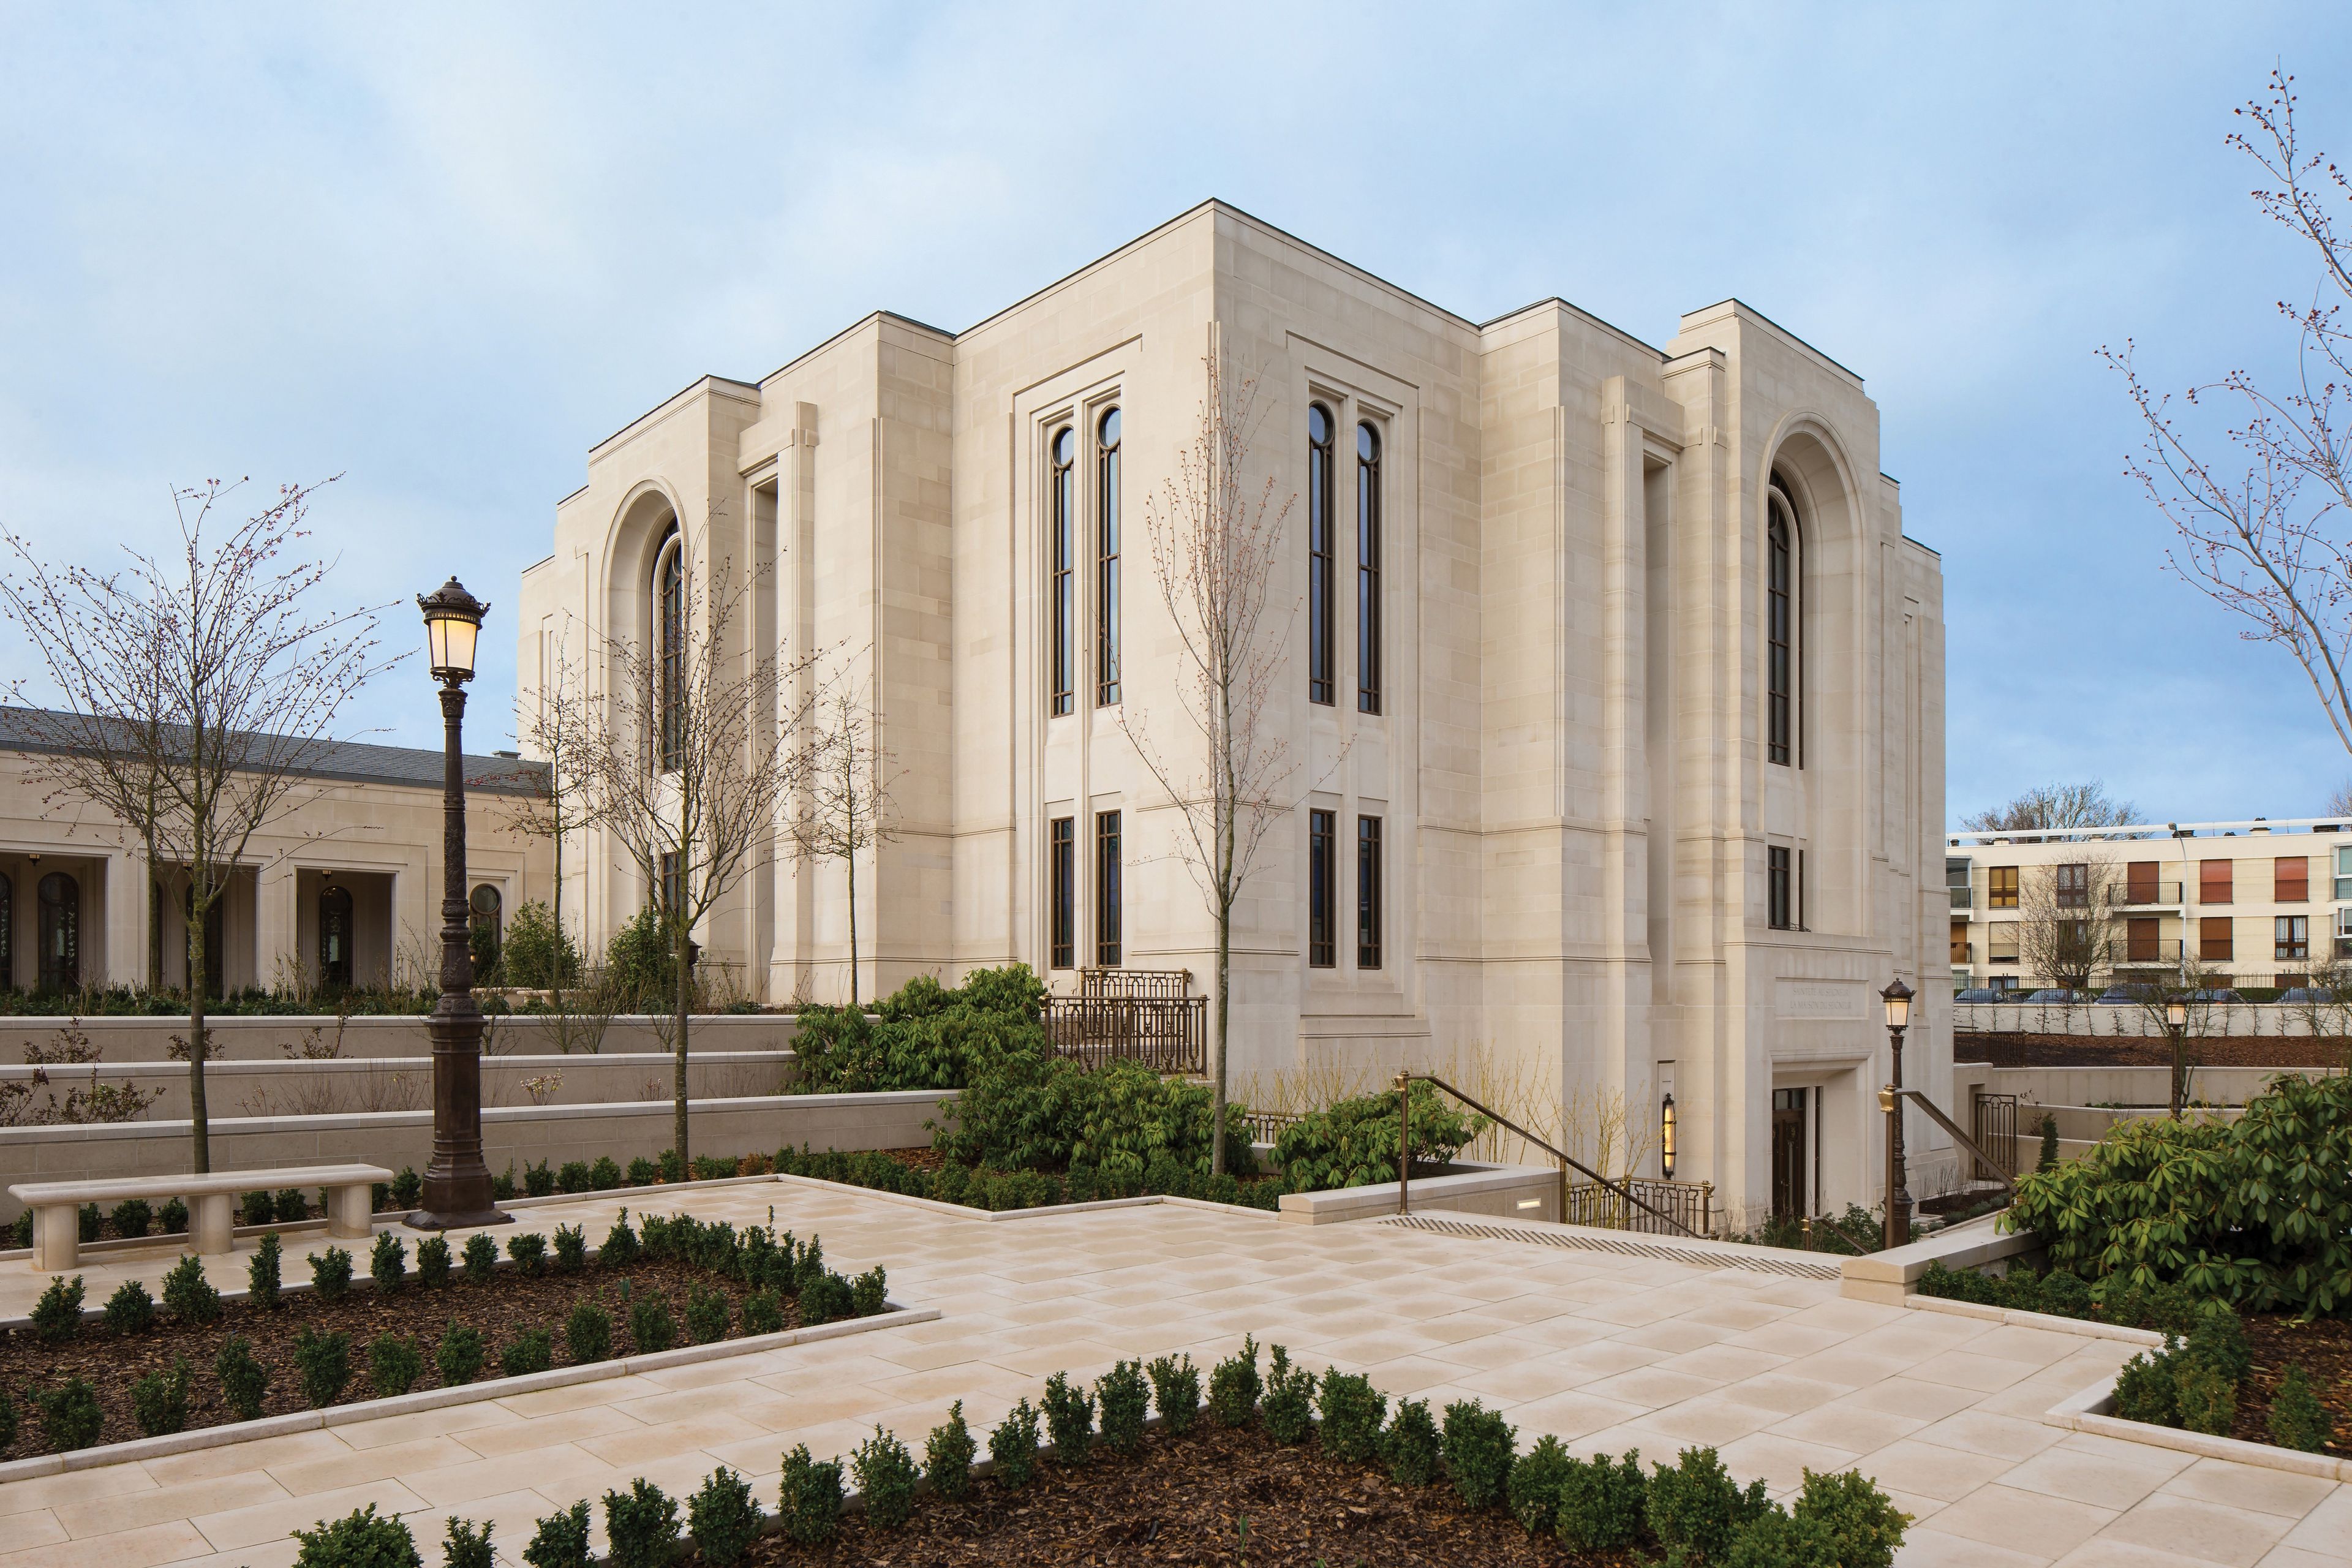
x=426, y=1219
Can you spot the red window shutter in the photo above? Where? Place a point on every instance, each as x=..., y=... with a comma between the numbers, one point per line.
x=2213, y=881
x=2290, y=881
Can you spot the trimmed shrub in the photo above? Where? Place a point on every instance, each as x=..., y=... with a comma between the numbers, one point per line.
x=1697, y=1507
x=532, y=1351
x=388, y=1263
x=394, y=1364
x=1234, y=1385
x=433, y=1262
x=826, y=1299
x=1603, y=1506
x=1013, y=1446
x=2297, y=1419
x=159, y=1401
x=1352, y=1411
x=529, y=1251
x=571, y=1249
x=330, y=1274
x=643, y=1173
x=459, y=1354
x=9, y=1422
x=131, y=1310
x=57, y=1316
x=621, y=1244
x=290, y=1206
x=481, y=1257
x=407, y=1188
x=723, y=1518
x=132, y=1216
x=560, y=1540
x=1532, y=1493
x=502, y=1185
x=869, y=1293
x=243, y=1382
x=886, y=1478
x=70, y=1417
x=1353, y=1143
x=651, y=1327
x=1288, y=1407
x=572, y=1176
x=1124, y=1399
x=1410, y=1446
x=173, y=1218
x=538, y=1181
x=255, y=1208
x=708, y=1314
x=604, y=1176
x=2144, y=1390
x=1861, y=1525
x=468, y=1545
x=640, y=1527
x=809, y=1500
x=948, y=1454
x=1069, y=1420
x=762, y=1314
x=2208, y=1400
x=90, y=1222
x=1176, y=1391
x=189, y=1296
x=323, y=1362
x=588, y=1333
x=1479, y=1448
x=360, y=1539
x=262, y=1275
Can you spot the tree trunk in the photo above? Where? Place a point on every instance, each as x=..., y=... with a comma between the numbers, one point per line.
x=677, y=1084
x=199, y=1116
x=1217, y=1099
x=852, y=859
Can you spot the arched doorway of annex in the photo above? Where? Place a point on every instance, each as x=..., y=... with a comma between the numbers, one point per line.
x=1812, y=466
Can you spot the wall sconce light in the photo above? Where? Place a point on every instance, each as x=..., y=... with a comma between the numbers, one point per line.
x=1666, y=1138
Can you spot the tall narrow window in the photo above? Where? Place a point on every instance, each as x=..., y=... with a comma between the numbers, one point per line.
x=1107, y=890
x=58, y=932
x=2293, y=937
x=2001, y=887
x=1322, y=889
x=1061, y=503
x=1779, y=618
x=1063, y=871
x=1368, y=892
x=1777, y=891
x=7, y=934
x=335, y=937
x=488, y=925
x=1320, y=649
x=1106, y=560
x=1367, y=569
x=673, y=884
x=669, y=660
x=2073, y=884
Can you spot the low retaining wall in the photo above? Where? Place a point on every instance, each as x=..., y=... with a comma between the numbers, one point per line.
x=2098, y=1085
x=343, y=1087
x=2236, y=1020
x=1512, y=1192
x=266, y=1039
x=1888, y=1277
x=523, y=1134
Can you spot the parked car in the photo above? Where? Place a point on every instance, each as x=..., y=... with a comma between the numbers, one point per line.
x=2126, y=995
x=2306, y=994
x=2058, y=996
x=2223, y=996
x=1985, y=994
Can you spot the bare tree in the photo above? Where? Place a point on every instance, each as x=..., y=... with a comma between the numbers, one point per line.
x=2339, y=803
x=2067, y=929
x=2051, y=806
x=196, y=689
x=1214, y=545
x=2259, y=505
x=845, y=805
x=683, y=761
x=547, y=811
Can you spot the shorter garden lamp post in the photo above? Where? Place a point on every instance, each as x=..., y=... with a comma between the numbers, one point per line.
x=456, y=1187
x=2176, y=1024
x=1666, y=1138
x=1898, y=997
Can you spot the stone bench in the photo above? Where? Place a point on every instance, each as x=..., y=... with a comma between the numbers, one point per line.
x=211, y=1199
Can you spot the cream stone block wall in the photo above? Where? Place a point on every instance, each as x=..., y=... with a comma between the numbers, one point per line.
x=248, y=1039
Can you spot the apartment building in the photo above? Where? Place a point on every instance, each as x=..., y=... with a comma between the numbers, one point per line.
x=2253, y=903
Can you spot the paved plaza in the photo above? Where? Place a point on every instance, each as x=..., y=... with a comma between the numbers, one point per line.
x=1608, y=1351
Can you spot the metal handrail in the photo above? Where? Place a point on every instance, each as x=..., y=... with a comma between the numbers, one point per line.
x=1404, y=1150
x=1962, y=1139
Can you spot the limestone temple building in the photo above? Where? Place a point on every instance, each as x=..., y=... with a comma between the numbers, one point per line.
x=1615, y=690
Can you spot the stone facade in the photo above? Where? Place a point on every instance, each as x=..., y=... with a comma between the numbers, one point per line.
x=1572, y=764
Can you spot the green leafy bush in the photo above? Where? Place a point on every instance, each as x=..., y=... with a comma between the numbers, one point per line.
x=290, y=1206
x=468, y=1545
x=639, y=965
x=572, y=1176
x=323, y=1362
x=1176, y=1391
x=360, y=1539
x=407, y=1188
x=1411, y=1447
x=2145, y=1390
x=388, y=1263
x=173, y=1216
x=1287, y=1407
x=70, y=1417
x=480, y=1256
x=1234, y=1385
x=459, y=1354
x=433, y=1262
x=1603, y=1505
x=640, y=1527
x=159, y=1401
x=1478, y=1446
x=91, y=1220
x=57, y=1316
x=262, y=1275
x=537, y=954
x=2209, y=1401
x=1353, y=1143
x=9, y=1422
x=394, y=1364
x=809, y=1500
x=643, y=1173
x=244, y=1381
x=708, y=1314
x=604, y=1174
x=762, y=1314
x=255, y=1208
x=588, y=1333
x=330, y=1274
x=1069, y=1419
x=131, y=1310
x=925, y=1035
x=870, y=1292
x=132, y=1216
x=529, y=1251
x=1124, y=1398
x=651, y=1327
x=886, y=1478
x=1532, y=1494
x=560, y=1540
x=533, y=1349
x=723, y=1517
x=188, y=1295
x=1352, y=1411
x=2297, y=1419
x=1697, y=1507
x=1012, y=1447
x=948, y=1454
x=1860, y=1525
x=571, y=1249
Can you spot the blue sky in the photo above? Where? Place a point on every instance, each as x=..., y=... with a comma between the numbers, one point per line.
x=441, y=250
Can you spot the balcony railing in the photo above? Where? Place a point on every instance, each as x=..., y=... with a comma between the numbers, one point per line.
x=2149, y=954
x=2148, y=895
x=1963, y=898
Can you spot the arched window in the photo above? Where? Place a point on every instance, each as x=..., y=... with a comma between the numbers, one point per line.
x=1782, y=673
x=59, y=931
x=482, y=912
x=1367, y=569
x=1106, y=560
x=1320, y=650
x=335, y=937
x=1063, y=504
x=670, y=649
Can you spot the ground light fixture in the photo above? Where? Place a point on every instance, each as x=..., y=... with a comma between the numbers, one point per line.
x=1898, y=997
x=1666, y=1137
x=456, y=1187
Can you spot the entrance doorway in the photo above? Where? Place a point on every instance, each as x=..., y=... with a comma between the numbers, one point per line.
x=1789, y=1153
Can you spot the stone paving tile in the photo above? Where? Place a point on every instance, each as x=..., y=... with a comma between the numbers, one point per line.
x=161, y=1505
x=229, y=1529
x=2002, y=1436
x=2247, y=1486
x=39, y=1527
x=2022, y=1522
x=146, y=1547
x=2106, y=1551
x=357, y=1466
x=2097, y=1478
x=2203, y=1531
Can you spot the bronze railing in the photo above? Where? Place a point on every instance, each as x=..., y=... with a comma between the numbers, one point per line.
x=1689, y=1205
x=1130, y=1015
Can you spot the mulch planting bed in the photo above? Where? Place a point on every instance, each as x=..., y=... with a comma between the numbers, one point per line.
x=2109, y=1051
x=2323, y=1348
x=1187, y=1499
x=508, y=1304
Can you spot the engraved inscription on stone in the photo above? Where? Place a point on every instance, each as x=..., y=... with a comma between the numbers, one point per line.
x=1840, y=999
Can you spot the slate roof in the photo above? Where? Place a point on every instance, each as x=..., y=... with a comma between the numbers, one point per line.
x=351, y=761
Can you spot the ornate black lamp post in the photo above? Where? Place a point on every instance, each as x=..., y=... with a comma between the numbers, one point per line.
x=1898, y=997
x=456, y=1183
x=2176, y=1024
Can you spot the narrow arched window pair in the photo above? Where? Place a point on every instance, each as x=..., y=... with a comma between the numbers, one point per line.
x=1322, y=658
x=669, y=651
x=1783, y=674
x=1062, y=533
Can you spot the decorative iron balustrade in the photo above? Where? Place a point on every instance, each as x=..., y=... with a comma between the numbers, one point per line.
x=1131, y=1014
x=1689, y=1205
